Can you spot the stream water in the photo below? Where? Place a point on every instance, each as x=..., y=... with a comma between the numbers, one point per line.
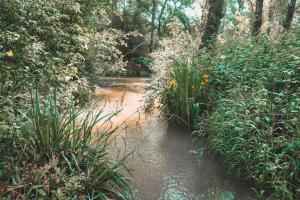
x=164, y=161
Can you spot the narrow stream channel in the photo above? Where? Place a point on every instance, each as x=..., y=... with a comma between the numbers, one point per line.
x=164, y=161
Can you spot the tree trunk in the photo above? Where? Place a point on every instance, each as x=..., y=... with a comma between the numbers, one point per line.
x=241, y=5
x=258, y=17
x=152, y=25
x=160, y=16
x=290, y=14
x=215, y=14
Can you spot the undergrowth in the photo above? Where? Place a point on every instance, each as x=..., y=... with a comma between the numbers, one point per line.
x=248, y=109
x=61, y=154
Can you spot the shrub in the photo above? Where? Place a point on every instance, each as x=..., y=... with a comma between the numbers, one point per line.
x=58, y=44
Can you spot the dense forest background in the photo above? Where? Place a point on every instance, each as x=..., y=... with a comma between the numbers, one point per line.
x=230, y=72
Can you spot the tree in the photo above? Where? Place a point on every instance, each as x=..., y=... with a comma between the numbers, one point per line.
x=241, y=5
x=290, y=14
x=215, y=14
x=170, y=9
x=154, y=5
x=257, y=17
x=160, y=17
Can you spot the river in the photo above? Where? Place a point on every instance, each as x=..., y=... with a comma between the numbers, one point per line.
x=164, y=160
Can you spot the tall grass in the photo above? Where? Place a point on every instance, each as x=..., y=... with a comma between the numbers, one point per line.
x=61, y=155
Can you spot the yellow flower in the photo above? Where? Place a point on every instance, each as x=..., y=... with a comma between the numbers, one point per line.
x=172, y=83
x=10, y=53
x=193, y=86
x=205, y=79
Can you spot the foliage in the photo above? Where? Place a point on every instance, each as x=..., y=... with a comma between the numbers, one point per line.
x=53, y=43
x=257, y=141
x=186, y=94
x=143, y=61
x=52, y=154
x=58, y=44
x=59, y=154
x=255, y=125
x=104, y=53
x=134, y=25
x=180, y=45
x=249, y=108
x=177, y=46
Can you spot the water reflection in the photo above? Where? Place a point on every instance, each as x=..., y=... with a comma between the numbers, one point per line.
x=164, y=161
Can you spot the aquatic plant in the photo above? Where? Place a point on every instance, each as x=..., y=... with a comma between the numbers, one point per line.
x=185, y=95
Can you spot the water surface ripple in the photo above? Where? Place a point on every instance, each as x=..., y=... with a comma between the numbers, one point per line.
x=164, y=162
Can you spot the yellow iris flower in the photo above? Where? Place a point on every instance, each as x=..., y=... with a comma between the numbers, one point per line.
x=172, y=83
x=10, y=53
x=205, y=79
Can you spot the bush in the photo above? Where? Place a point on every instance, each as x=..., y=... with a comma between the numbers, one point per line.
x=53, y=153
x=59, y=44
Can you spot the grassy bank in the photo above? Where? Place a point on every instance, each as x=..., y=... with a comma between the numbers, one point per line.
x=59, y=154
x=243, y=99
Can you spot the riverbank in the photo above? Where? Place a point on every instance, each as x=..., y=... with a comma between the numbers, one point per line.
x=242, y=98
x=164, y=161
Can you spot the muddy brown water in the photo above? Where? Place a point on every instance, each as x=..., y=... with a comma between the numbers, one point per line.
x=164, y=161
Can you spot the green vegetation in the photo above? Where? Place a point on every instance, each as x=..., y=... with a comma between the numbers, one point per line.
x=49, y=148
x=250, y=108
x=186, y=93
x=239, y=89
x=60, y=155
x=234, y=79
x=255, y=125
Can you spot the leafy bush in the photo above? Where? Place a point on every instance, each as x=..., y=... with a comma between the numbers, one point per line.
x=59, y=44
x=178, y=46
x=60, y=155
x=143, y=61
x=55, y=152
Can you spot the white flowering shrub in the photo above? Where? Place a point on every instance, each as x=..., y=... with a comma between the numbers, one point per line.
x=53, y=44
x=180, y=44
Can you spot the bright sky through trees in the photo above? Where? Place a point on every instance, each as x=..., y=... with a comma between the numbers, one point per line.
x=194, y=11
